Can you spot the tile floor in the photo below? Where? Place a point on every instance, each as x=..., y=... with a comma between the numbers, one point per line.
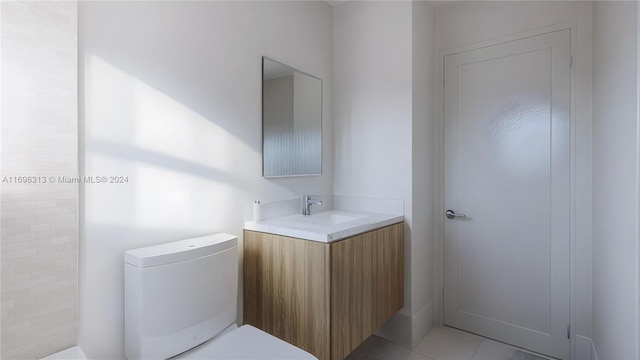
x=442, y=343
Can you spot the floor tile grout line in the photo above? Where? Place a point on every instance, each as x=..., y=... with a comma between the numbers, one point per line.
x=418, y=352
x=382, y=342
x=477, y=348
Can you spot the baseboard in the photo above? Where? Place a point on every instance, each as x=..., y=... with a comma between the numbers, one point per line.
x=72, y=353
x=585, y=349
x=422, y=323
x=408, y=330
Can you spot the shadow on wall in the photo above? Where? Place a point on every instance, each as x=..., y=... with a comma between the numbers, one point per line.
x=164, y=157
x=131, y=153
x=192, y=65
x=171, y=173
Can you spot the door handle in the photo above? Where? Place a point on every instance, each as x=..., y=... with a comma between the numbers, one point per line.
x=450, y=214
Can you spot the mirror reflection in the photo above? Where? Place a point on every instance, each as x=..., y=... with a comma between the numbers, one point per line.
x=291, y=121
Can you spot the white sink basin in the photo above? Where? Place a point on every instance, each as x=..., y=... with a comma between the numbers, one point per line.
x=330, y=218
x=326, y=226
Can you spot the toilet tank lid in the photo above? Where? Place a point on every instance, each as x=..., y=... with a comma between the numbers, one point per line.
x=178, y=251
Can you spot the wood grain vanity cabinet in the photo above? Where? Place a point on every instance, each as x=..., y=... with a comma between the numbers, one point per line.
x=325, y=298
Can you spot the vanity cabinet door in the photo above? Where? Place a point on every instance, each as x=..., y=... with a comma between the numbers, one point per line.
x=388, y=273
x=351, y=293
x=367, y=285
x=286, y=290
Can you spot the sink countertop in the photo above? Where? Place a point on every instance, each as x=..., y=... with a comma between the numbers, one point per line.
x=325, y=226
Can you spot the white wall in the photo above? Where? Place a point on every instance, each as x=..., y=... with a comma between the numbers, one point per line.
x=372, y=100
x=39, y=141
x=382, y=67
x=171, y=98
x=615, y=195
x=423, y=147
x=467, y=23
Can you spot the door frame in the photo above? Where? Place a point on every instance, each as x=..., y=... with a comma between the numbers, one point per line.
x=438, y=211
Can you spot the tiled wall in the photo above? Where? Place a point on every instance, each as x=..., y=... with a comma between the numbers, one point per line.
x=39, y=142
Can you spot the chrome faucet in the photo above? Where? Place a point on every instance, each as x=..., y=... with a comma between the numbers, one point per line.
x=307, y=201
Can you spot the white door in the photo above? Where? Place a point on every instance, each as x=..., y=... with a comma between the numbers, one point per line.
x=507, y=167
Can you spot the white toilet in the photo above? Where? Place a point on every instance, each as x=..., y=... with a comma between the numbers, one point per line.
x=180, y=301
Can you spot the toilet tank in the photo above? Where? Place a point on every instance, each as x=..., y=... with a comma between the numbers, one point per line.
x=179, y=295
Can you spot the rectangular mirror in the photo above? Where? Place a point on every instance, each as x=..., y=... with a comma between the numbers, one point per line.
x=291, y=121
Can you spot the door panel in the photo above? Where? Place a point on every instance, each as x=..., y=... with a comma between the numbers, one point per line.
x=507, y=168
